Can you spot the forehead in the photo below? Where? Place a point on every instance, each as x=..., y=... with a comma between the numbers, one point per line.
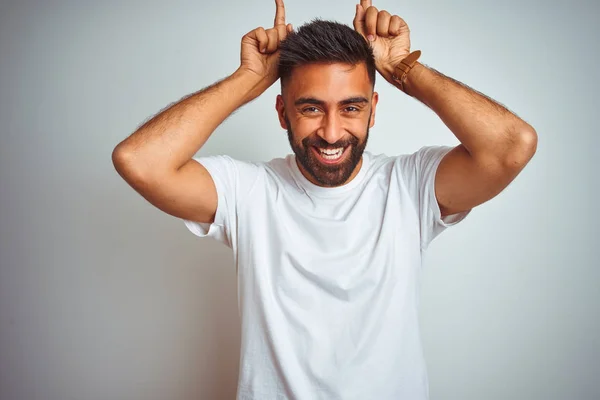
x=329, y=82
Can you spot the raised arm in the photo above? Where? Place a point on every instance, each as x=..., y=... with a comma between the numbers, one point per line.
x=156, y=160
x=495, y=143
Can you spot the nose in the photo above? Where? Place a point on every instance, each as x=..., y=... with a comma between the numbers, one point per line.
x=331, y=128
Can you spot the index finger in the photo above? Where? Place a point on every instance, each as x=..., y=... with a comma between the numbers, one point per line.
x=279, y=13
x=365, y=4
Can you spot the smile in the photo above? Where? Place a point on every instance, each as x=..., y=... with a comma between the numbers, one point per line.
x=330, y=156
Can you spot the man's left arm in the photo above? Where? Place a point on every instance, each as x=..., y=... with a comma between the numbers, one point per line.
x=495, y=144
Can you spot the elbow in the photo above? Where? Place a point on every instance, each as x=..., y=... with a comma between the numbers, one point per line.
x=136, y=168
x=121, y=159
x=126, y=164
x=522, y=150
x=530, y=139
x=528, y=142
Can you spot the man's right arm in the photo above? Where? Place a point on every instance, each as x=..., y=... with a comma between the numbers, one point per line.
x=156, y=160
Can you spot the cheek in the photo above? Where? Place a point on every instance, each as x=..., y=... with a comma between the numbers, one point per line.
x=304, y=128
x=358, y=128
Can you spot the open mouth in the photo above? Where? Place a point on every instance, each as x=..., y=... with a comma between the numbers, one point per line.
x=331, y=156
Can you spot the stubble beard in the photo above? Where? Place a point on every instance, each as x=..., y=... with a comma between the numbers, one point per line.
x=328, y=175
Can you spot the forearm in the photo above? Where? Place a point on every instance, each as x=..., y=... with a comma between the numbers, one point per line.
x=172, y=137
x=483, y=126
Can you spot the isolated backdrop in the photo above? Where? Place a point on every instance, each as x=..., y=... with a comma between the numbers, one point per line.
x=102, y=296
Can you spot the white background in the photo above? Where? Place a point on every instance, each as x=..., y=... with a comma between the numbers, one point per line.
x=102, y=296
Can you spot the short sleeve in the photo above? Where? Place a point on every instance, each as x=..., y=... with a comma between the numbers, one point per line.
x=418, y=172
x=233, y=181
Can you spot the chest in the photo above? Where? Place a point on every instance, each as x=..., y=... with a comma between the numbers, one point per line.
x=365, y=235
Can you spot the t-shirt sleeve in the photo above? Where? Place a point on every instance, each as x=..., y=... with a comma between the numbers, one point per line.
x=233, y=181
x=418, y=171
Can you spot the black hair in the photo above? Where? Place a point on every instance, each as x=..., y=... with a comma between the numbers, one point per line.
x=322, y=41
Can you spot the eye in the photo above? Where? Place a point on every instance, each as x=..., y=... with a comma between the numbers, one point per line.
x=310, y=110
x=352, y=109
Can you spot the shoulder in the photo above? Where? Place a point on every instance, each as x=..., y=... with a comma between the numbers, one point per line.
x=407, y=169
x=228, y=166
x=379, y=164
x=282, y=172
x=420, y=159
x=244, y=170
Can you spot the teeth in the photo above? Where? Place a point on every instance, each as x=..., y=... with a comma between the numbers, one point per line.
x=331, y=154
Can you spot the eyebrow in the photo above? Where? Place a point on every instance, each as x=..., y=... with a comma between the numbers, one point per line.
x=317, y=102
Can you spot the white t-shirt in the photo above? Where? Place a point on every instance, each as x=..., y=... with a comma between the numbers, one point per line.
x=328, y=278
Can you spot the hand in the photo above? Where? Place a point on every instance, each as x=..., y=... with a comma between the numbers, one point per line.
x=260, y=48
x=388, y=35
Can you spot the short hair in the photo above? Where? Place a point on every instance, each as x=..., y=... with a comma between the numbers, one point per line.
x=328, y=42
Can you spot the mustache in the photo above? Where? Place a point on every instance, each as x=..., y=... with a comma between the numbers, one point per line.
x=323, y=144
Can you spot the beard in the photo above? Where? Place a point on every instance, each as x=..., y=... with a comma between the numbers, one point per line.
x=328, y=175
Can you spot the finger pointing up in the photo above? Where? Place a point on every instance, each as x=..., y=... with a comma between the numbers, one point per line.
x=360, y=17
x=359, y=20
x=279, y=13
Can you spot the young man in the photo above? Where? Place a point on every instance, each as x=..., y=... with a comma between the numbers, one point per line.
x=328, y=241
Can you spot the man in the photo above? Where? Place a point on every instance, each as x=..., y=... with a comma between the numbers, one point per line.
x=328, y=242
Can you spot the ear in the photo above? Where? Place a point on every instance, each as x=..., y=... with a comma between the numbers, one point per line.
x=374, y=100
x=280, y=107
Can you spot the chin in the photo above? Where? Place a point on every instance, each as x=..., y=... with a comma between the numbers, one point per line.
x=330, y=172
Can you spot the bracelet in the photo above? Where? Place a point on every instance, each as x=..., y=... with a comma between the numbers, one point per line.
x=401, y=71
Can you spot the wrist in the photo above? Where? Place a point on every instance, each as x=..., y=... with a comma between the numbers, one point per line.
x=387, y=72
x=408, y=86
x=250, y=83
x=403, y=69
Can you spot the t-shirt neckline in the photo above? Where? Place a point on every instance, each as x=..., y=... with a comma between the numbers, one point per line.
x=322, y=191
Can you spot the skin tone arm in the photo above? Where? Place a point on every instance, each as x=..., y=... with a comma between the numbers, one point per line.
x=156, y=160
x=495, y=144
